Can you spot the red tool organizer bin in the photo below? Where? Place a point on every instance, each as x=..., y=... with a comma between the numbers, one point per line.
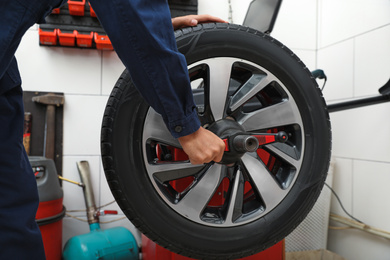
x=84, y=40
x=74, y=25
x=56, y=11
x=47, y=37
x=76, y=8
x=102, y=42
x=67, y=38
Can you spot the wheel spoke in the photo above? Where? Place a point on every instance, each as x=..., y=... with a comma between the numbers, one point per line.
x=164, y=172
x=218, y=85
x=265, y=184
x=156, y=130
x=199, y=195
x=236, y=199
x=248, y=90
x=291, y=156
x=281, y=114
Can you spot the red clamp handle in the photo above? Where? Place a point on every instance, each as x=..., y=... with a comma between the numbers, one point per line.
x=106, y=212
x=263, y=139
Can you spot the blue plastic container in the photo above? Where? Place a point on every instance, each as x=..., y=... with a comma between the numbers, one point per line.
x=113, y=243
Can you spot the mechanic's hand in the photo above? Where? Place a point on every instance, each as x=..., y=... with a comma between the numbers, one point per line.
x=193, y=20
x=202, y=146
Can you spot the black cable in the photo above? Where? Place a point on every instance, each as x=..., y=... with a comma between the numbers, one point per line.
x=341, y=204
x=323, y=85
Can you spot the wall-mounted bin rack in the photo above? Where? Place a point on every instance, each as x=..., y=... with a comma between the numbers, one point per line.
x=75, y=25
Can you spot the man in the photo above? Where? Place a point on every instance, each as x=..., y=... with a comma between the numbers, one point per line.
x=142, y=34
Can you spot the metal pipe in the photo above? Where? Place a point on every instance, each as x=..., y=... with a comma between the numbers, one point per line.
x=356, y=103
x=85, y=177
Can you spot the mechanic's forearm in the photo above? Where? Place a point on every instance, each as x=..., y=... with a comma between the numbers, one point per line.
x=142, y=35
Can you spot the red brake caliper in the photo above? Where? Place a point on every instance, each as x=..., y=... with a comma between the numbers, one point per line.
x=240, y=142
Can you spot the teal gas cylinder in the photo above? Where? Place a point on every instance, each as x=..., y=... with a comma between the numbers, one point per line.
x=113, y=243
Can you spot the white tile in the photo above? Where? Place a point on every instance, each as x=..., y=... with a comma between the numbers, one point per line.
x=357, y=245
x=73, y=194
x=34, y=27
x=340, y=20
x=82, y=123
x=308, y=57
x=239, y=10
x=342, y=185
x=68, y=70
x=372, y=61
x=112, y=68
x=337, y=63
x=296, y=24
x=371, y=193
x=217, y=8
x=362, y=133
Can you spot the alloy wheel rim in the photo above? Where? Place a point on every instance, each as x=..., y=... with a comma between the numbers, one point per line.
x=231, y=195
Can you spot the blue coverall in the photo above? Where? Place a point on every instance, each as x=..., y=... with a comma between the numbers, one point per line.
x=142, y=35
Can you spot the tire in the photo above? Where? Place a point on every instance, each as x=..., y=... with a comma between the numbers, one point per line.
x=246, y=77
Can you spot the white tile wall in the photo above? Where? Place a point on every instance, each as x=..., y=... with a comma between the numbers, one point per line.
x=340, y=20
x=372, y=63
x=69, y=70
x=112, y=68
x=82, y=123
x=296, y=24
x=371, y=192
x=362, y=188
x=362, y=133
x=342, y=185
x=337, y=62
x=308, y=57
x=219, y=8
x=356, y=245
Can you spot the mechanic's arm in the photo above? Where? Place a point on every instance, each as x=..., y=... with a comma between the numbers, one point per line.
x=193, y=20
x=141, y=32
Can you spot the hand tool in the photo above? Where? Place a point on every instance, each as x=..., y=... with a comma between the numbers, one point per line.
x=52, y=101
